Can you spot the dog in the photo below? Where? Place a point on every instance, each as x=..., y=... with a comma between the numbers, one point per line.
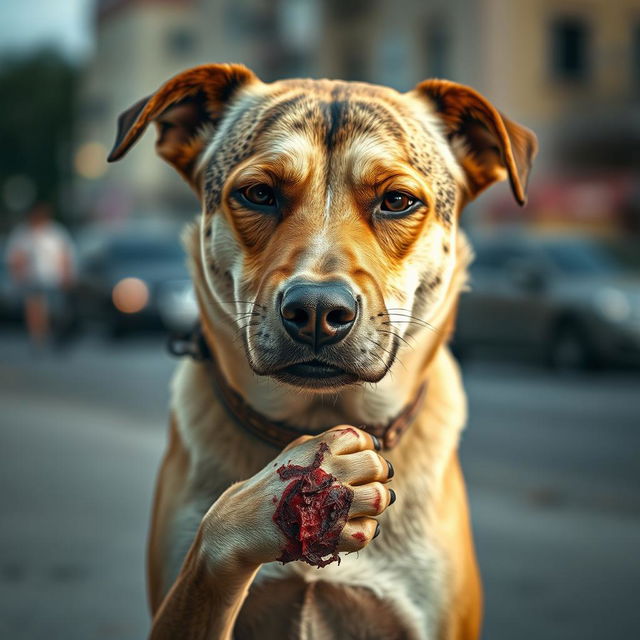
x=327, y=264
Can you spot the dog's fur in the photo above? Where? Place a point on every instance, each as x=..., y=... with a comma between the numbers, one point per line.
x=331, y=150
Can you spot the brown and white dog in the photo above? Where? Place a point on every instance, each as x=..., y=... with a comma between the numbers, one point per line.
x=327, y=265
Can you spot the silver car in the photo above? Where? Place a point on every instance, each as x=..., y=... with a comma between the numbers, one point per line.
x=573, y=300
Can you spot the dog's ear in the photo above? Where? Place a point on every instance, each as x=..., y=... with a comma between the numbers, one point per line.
x=488, y=145
x=182, y=108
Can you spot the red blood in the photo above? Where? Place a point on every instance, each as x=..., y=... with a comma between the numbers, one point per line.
x=350, y=430
x=359, y=536
x=376, y=502
x=312, y=512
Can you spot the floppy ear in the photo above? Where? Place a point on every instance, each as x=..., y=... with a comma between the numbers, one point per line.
x=488, y=145
x=182, y=108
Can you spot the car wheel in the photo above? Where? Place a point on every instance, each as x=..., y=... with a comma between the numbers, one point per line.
x=570, y=349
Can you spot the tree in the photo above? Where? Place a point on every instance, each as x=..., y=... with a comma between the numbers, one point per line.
x=36, y=118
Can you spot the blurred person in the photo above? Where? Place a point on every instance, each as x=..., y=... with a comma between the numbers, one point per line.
x=40, y=255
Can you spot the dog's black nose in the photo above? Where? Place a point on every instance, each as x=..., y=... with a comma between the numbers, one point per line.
x=318, y=313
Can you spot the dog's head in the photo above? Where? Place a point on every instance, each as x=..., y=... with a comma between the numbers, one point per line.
x=329, y=208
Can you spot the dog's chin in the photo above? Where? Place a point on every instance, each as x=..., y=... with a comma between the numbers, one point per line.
x=316, y=376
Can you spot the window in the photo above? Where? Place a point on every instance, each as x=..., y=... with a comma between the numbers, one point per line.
x=635, y=52
x=570, y=49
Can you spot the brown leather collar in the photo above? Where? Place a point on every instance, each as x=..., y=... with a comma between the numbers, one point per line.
x=276, y=433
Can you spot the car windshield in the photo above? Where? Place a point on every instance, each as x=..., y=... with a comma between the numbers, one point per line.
x=147, y=250
x=626, y=254
x=591, y=257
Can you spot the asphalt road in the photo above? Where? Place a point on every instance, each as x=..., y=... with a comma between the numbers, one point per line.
x=552, y=465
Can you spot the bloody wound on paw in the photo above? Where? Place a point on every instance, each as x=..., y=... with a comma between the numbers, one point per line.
x=312, y=512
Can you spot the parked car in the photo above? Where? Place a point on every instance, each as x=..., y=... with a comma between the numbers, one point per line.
x=573, y=300
x=135, y=280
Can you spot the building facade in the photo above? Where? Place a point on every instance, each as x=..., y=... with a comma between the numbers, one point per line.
x=558, y=66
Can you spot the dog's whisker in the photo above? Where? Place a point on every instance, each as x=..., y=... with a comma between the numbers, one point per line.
x=239, y=321
x=245, y=316
x=426, y=325
x=380, y=346
x=249, y=324
x=404, y=313
x=387, y=367
x=243, y=302
x=396, y=359
x=414, y=318
x=397, y=335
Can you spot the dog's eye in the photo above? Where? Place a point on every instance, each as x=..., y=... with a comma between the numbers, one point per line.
x=260, y=194
x=396, y=202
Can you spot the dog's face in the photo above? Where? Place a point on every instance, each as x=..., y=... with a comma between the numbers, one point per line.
x=329, y=208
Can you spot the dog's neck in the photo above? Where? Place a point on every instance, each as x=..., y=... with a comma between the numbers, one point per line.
x=356, y=404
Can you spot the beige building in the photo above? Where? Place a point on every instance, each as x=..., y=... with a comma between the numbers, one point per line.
x=139, y=45
x=566, y=68
x=540, y=61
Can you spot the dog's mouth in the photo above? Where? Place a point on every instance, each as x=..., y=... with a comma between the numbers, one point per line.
x=315, y=374
x=314, y=369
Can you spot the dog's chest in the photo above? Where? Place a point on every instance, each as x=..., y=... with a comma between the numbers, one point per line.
x=393, y=591
x=396, y=583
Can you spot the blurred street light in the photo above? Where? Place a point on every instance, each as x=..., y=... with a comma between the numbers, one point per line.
x=90, y=160
x=130, y=295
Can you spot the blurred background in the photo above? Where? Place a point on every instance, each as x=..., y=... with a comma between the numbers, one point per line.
x=549, y=335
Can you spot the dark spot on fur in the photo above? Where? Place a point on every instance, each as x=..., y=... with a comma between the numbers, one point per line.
x=331, y=263
x=334, y=114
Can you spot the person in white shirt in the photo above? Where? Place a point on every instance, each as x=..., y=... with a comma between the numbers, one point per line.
x=40, y=256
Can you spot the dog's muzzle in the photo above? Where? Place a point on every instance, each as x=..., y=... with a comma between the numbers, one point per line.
x=318, y=313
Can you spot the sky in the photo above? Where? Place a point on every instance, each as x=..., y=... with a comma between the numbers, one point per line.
x=25, y=24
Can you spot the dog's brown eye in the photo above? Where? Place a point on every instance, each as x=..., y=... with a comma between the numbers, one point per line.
x=397, y=202
x=260, y=194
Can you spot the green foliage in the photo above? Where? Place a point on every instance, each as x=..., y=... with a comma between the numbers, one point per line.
x=36, y=118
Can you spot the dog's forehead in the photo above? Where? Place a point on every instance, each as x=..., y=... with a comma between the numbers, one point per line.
x=332, y=113
x=326, y=118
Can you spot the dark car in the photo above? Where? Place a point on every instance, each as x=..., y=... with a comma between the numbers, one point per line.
x=135, y=280
x=573, y=300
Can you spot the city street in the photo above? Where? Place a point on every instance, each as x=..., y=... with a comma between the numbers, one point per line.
x=552, y=465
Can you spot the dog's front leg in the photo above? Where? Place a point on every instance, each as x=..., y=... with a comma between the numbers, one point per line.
x=205, y=598
x=318, y=497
